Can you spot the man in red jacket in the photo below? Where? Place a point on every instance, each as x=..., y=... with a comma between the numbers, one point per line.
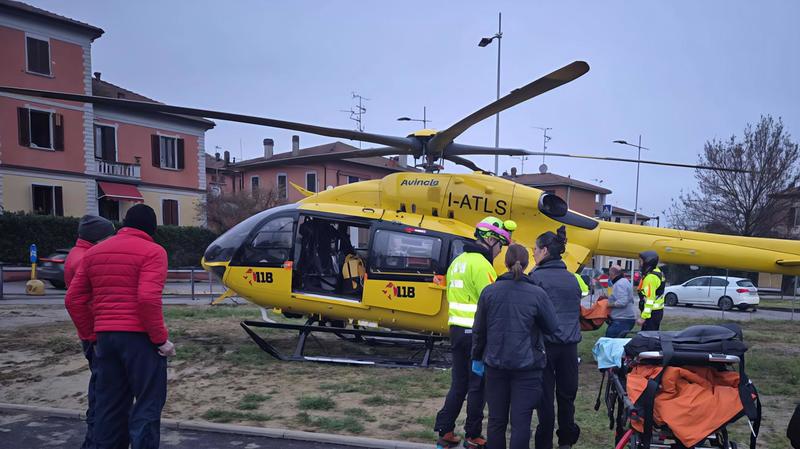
x=115, y=300
x=91, y=230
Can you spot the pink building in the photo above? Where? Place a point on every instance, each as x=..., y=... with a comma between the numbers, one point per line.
x=64, y=158
x=275, y=172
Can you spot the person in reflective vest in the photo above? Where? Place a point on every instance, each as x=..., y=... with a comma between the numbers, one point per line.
x=651, y=291
x=582, y=285
x=467, y=276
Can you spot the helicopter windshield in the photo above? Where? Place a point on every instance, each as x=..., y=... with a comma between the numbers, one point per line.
x=223, y=248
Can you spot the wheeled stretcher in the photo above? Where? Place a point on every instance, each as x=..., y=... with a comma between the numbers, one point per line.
x=677, y=389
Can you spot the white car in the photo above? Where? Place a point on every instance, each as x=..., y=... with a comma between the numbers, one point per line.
x=718, y=291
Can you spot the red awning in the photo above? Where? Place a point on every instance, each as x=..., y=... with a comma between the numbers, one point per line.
x=119, y=192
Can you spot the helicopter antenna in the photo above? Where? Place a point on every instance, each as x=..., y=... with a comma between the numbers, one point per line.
x=543, y=167
x=357, y=113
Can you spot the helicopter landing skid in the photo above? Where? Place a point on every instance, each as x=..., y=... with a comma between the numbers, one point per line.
x=427, y=342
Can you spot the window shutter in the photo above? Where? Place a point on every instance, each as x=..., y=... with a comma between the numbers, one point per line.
x=24, y=127
x=58, y=132
x=180, y=154
x=59, y=201
x=109, y=144
x=792, y=216
x=156, y=150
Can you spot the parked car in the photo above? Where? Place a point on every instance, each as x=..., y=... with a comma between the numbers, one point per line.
x=51, y=268
x=718, y=291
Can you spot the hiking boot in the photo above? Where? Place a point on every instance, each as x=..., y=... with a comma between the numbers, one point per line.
x=447, y=441
x=475, y=443
x=564, y=446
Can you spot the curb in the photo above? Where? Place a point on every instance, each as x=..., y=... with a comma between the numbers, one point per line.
x=201, y=426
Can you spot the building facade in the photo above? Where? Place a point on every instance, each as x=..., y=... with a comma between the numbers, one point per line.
x=580, y=196
x=64, y=158
x=274, y=174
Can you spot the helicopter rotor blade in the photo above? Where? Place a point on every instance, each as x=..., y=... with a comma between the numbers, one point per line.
x=459, y=149
x=548, y=82
x=465, y=162
x=143, y=106
x=333, y=156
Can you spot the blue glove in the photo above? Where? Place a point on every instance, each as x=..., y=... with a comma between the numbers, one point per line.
x=477, y=367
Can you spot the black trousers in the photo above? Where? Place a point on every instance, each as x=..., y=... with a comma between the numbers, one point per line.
x=514, y=392
x=463, y=384
x=654, y=322
x=88, y=440
x=559, y=383
x=131, y=390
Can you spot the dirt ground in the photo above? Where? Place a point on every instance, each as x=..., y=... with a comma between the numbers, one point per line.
x=219, y=375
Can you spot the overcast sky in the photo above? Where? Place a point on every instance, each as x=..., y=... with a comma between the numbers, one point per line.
x=677, y=72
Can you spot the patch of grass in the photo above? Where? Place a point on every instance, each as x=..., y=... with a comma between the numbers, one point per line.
x=188, y=351
x=426, y=421
x=360, y=413
x=390, y=426
x=348, y=423
x=247, y=405
x=247, y=354
x=428, y=435
x=345, y=387
x=63, y=345
x=226, y=416
x=177, y=312
x=316, y=403
x=255, y=398
x=378, y=400
x=251, y=401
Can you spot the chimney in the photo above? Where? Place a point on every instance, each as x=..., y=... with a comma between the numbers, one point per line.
x=216, y=156
x=402, y=160
x=513, y=172
x=295, y=145
x=269, y=145
x=227, y=157
x=97, y=75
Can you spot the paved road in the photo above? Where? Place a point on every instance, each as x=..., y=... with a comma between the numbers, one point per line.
x=33, y=430
x=732, y=315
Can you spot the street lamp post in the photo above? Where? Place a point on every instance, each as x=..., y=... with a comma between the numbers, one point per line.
x=483, y=43
x=638, y=164
x=424, y=118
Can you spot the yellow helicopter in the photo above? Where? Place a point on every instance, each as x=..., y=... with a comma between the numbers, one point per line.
x=374, y=254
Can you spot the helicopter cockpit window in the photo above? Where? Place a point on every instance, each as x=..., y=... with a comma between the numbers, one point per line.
x=404, y=252
x=272, y=243
x=456, y=248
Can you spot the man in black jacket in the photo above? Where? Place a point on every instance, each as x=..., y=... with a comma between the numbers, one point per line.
x=560, y=379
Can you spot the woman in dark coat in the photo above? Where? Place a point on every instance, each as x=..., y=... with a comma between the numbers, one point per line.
x=560, y=379
x=512, y=315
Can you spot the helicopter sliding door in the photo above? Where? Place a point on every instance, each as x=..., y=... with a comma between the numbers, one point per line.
x=406, y=269
x=330, y=256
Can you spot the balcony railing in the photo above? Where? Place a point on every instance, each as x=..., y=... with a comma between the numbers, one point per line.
x=119, y=169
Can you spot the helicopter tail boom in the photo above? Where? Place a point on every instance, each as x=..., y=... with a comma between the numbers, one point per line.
x=702, y=249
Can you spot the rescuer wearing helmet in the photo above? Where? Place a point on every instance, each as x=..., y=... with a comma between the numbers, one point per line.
x=467, y=276
x=651, y=291
x=560, y=376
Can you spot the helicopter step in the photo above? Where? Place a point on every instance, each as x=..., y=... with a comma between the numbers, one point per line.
x=426, y=344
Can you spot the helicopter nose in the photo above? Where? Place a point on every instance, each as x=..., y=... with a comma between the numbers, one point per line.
x=216, y=269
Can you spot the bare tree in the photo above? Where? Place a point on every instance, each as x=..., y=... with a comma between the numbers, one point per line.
x=740, y=203
x=228, y=209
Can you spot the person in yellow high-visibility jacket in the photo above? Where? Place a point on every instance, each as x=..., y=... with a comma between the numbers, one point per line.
x=651, y=291
x=467, y=276
x=582, y=284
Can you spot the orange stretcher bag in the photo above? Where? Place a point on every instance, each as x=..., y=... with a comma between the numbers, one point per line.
x=594, y=317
